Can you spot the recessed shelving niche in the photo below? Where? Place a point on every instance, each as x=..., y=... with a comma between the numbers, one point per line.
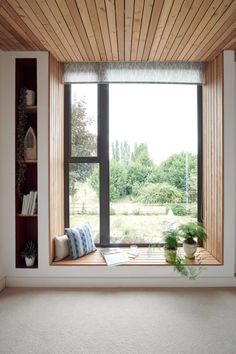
x=26, y=170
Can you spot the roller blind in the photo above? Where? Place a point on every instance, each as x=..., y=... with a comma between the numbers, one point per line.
x=129, y=72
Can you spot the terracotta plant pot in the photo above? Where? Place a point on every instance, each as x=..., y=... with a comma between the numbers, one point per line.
x=189, y=249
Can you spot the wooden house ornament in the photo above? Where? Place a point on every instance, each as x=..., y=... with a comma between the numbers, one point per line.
x=30, y=145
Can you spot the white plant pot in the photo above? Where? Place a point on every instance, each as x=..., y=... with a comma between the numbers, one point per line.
x=29, y=261
x=30, y=98
x=189, y=250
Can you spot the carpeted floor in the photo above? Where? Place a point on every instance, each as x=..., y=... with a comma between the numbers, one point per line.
x=107, y=321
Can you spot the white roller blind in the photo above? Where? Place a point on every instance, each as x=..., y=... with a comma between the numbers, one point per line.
x=148, y=72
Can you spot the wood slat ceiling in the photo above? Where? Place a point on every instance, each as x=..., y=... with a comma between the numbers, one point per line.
x=124, y=30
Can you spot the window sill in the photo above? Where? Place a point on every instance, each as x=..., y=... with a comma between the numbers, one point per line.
x=146, y=257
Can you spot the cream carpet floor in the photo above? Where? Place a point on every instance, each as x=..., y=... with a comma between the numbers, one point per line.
x=107, y=321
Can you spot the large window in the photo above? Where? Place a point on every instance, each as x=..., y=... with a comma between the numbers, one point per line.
x=132, y=159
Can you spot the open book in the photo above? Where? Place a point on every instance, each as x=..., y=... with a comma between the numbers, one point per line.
x=114, y=256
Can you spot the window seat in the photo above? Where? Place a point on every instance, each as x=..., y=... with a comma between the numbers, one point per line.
x=147, y=257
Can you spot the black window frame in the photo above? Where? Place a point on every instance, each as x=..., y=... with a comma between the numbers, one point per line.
x=102, y=159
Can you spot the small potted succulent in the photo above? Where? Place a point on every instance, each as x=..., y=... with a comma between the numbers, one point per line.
x=190, y=233
x=171, y=243
x=29, y=253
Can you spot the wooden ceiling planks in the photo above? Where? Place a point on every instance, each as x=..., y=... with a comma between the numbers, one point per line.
x=35, y=26
x=45, y=25
x=187, y=6
x=213, y=22
x=120, y=21
x=147, y=11
x=124, y=30
x=86, y=23
x=111, y=18
x=129, y=7
x=138, y=12
x=161, y=26
x=102, y=15
x=7, y=32
x=19, y=28
x=156, y=13
x=192, y=26
x=168, y=27
x=55, y=17
x=91, y=6
x=223, y=41
x=76, y=29
x=217, y=26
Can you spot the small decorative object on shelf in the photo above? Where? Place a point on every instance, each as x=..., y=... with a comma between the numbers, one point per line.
x=29, y=253
x=189, y=233
x=30, y=97
x=30, y=143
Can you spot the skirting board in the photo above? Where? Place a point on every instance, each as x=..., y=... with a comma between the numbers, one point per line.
x=92, y=282
x=2, y=283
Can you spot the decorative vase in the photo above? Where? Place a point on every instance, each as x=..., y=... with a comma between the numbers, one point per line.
x=29, y=261
x=189, y=249
x=30, y=98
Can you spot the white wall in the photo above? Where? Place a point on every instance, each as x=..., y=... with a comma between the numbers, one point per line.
x=229, y=157
x=47, y=275
x=234, y=93
x=2, y=269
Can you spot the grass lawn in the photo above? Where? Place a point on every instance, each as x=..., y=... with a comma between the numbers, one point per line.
x=129, y=221
x=130, y=228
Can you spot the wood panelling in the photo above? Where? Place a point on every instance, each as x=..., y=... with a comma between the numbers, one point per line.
x=147, y=257
x=213, y=164
x=124, y=30
x=56, y=152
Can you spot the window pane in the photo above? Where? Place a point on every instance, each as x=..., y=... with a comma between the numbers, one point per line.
x=83, y=198
x=83, y=120
x=153, y=160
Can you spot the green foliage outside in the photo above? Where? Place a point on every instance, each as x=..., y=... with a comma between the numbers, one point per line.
x=179, y=170
x=132, y=173
x=179, y=210
x=136, y=175
x=160, y=193
x=118, y=178
x=83, y=143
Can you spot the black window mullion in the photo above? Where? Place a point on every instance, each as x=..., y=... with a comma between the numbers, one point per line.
x=85, y=159
x=67, y=152
x=200, y=155
x=103, y=155
x=200, y=148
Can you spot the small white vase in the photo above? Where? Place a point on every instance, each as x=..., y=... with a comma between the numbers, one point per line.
x=30, y=98
x=29, y=261
x=189, y=249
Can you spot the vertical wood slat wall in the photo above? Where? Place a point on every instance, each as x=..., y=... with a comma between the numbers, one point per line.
x=213, y=163
x=56, y=152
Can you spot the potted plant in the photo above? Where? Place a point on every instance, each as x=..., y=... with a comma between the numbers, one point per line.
x=189, y=233
x=171, y=243
x=29, y=253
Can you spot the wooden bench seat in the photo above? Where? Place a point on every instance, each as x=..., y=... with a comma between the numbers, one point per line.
x=148, y=256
